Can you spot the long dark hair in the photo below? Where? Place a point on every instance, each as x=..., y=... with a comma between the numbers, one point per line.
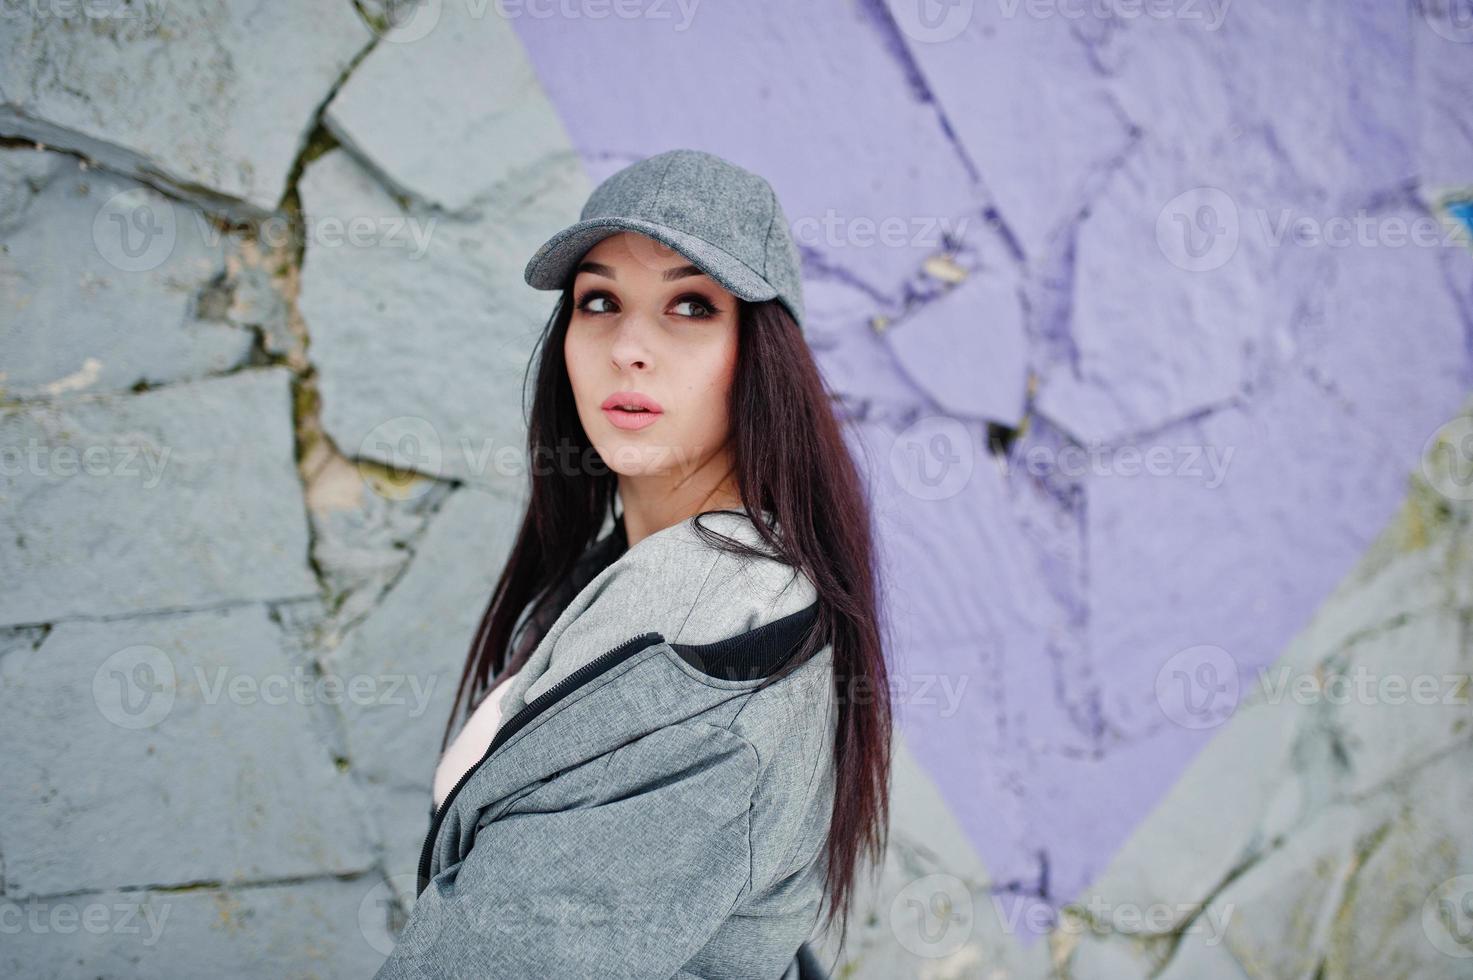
x=792, y=460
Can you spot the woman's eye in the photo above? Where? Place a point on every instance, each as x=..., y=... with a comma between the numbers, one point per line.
x=693, y=307
x=589, y=303
x=690, y=307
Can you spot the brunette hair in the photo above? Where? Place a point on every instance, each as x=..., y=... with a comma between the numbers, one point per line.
x=792, y=460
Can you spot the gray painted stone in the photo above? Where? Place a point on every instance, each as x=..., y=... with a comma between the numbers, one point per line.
x=1274, y=919
x=180, y=497
x=1399, y=576
x=968, y=349
x=188, y=757
x=303, y=623
x=421, y=347
x=320, y=929
x=406, y=107
x=1107, y=959
x=85, y=314
x=245, y=117
x=1205, y=963
x=1403, y=696
x=1407, y=913
x=23, y=172
x=255, y=302
x=361, y=553
x=421, y=633
x=1208, y=823
x=896, y=929
x=28, y=638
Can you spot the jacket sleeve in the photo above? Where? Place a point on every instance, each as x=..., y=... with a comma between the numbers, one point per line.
x=625, y=875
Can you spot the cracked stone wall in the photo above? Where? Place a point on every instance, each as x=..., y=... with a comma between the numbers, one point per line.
x=1152, y=325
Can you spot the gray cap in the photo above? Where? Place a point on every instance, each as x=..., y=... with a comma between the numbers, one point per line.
x=723, y=218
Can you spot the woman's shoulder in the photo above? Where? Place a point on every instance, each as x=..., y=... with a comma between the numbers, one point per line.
x=677, y=583
x=739, y=592
x=690, y=588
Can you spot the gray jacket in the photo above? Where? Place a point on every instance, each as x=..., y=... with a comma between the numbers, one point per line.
x=640, y=811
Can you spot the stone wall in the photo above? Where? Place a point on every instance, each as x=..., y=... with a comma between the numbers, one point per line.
x=1139, y=316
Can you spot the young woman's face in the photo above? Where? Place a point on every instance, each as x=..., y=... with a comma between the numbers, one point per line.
x=647, y=323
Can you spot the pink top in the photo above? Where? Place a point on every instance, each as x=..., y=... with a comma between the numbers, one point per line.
x=470, y=744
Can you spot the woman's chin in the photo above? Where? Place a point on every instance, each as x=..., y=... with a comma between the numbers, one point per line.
x=631, y=457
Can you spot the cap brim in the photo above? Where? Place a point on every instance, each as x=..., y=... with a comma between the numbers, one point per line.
x=555, y=260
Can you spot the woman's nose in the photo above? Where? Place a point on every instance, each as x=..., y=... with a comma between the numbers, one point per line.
x=631, y=341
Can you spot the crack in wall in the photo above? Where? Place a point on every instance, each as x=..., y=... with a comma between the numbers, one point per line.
x=1397, y=783
x=31, y=637
x=205, y=885
x=119, y=160
x=894, y=45
x=157, y=612
x=1365, y=848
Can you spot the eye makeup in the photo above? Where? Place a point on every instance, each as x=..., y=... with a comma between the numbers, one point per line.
x=711, y=309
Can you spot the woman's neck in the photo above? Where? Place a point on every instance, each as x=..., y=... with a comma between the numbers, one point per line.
x=645, y=514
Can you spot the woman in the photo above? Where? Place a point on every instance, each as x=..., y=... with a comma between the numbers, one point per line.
x=680, y=747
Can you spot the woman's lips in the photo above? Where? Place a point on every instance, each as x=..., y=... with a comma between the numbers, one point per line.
x=625, y=419
x=641, y=410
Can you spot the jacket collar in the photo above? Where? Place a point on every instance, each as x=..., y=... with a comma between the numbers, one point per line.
x=754, y=654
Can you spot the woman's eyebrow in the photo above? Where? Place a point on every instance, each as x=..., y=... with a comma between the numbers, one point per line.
x=680, y=272
x=598, y=269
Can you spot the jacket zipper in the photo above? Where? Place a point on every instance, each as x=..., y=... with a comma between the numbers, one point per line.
x=600, y=664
